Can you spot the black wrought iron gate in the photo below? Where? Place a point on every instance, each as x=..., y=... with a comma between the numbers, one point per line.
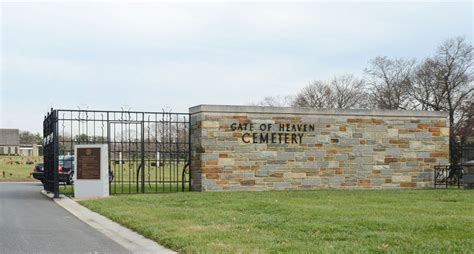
x=50, y=153
x=149, y=152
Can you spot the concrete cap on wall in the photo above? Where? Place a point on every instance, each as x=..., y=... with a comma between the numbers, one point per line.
x=313, y=111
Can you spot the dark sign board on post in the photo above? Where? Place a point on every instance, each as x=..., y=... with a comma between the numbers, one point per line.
x=88, y=163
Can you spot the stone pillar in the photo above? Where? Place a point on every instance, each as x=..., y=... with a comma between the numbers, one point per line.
x=196, y=152
x=468, y=176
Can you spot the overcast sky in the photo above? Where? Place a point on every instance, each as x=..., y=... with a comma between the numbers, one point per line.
x=152, y=55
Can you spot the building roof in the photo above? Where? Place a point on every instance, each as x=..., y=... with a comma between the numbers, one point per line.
x=9, y=137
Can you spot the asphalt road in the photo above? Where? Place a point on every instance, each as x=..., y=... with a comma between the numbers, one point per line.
x=32, y=223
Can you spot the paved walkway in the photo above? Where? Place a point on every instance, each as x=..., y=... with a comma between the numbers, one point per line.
x=32, y=223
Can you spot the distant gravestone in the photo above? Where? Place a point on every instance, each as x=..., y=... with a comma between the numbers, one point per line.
x=91, y=171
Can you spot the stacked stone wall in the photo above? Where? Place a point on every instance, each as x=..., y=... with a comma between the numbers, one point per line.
x=264, y=148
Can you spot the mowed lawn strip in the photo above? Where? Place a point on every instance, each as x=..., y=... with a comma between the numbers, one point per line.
x=17, y=169
x=427, y=221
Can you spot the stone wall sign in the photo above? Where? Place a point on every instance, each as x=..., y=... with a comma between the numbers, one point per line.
x=236, y=148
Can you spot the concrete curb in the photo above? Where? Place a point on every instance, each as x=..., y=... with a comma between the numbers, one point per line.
x=129, y=239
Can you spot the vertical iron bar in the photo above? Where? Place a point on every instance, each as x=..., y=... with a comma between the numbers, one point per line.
x=177, y=152
x=143, y=152
x=189, y=151
x=109, y=147
x=162, y=152
x=87, y=127
x=93, y=126
x=171, y=178
x=128, y=159
x=459, y=176
x=447, y=176
x=135, y=153
x=156, y=153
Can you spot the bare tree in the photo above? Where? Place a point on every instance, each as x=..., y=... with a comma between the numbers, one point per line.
x=444, y=82
x=454, y=77
x=348, y=91
x=425, y=86
x=466, y=125
x=316, y=95
x=390, y=81
x=343, y=91
x=276, y=101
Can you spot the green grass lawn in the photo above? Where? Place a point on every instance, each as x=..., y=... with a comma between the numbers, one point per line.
x=320, y=221
x=14, y=168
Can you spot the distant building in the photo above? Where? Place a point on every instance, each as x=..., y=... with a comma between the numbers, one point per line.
x=31, y=150
x=9, y=141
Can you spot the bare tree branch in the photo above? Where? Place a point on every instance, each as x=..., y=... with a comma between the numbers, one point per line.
x=343, y=91
x=390, y=82
x=276, y=101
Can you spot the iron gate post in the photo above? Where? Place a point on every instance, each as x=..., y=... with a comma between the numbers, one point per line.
x=56, y=151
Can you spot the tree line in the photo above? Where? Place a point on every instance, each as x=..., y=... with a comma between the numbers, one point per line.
x=440, y=82
x=30, y=138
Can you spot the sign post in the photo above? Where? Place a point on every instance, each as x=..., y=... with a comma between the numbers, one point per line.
x=91, y=171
